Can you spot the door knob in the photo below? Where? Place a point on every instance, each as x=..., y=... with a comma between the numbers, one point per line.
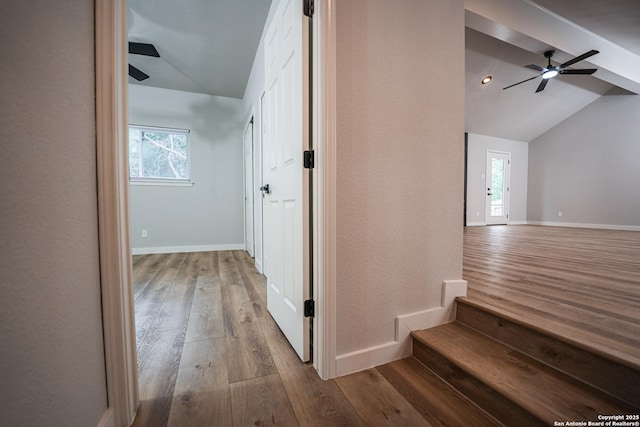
x=265, y=189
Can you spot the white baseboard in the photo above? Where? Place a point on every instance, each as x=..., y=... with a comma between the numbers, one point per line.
x=584, y=225
x=107, y=419
x=181, y=249
x=475, y=224
x=518, y=222
x=402, y=345
x=372, y=356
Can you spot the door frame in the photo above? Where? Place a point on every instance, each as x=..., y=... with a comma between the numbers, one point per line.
x=113, y=213
x=506, y=190
x=324, y=187
x=250, y=126
x=113, y=221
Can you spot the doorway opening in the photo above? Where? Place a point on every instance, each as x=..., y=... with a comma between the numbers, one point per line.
x=249, y=186
x=111, y=33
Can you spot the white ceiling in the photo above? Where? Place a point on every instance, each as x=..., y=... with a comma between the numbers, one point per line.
x=518, y=113
x=205, y=46
x=208, y=46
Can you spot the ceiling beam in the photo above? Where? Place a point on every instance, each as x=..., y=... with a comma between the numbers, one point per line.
x=531, y=27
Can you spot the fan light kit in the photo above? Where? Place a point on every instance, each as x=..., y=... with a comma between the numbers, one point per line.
x=549, y=72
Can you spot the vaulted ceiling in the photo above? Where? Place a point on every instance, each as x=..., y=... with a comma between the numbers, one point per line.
x=503, y=36
x=208, y=46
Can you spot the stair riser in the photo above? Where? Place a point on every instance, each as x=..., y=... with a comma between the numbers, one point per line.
x=483, y=395
x=618, y=380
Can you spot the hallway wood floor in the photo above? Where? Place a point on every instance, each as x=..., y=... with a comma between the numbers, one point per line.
x=583, y=284
x=209, y=354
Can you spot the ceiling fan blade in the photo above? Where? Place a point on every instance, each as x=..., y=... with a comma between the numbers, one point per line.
x=578, y=58
x=146, y=49
x=516, y=84
x=582, y=71
x=535, y=67
x=137, y=74
x=542, y=85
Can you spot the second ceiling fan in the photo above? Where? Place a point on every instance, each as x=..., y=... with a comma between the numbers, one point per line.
x=549, y=72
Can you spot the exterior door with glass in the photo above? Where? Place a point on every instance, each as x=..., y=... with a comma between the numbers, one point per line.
x=497, y=185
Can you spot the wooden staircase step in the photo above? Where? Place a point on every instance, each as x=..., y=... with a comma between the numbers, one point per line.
x=600, y=367
x=437, y=402
x=617, y=337
x=512, y=387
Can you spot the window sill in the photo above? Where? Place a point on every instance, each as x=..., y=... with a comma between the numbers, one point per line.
x=161, y=183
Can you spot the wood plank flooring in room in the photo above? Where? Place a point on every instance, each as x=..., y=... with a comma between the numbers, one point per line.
x=583, y=284
x=209, y=354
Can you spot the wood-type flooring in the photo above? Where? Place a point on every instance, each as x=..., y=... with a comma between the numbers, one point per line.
x=209, y=354
x=581, y=284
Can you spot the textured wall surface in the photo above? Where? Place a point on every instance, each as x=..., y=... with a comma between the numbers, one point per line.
x=211, y=212
x=400, y=149
x=476, y=182
x=52, y=369
x=588, y=166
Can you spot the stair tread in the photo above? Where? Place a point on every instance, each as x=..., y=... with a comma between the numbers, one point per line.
x=539, y=389
x=439, y=403
x=598, y=367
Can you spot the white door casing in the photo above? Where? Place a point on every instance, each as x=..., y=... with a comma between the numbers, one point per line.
x=258, y=180
x=497, y=184
x=286, y=241
x=248, y=188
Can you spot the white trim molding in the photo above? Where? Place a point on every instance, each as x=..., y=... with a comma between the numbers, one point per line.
x=183, y=249
x=402, y=345
x=113, y=226
x=161, y=183
x=324, y=203
x=475, y=224
x=586, y=225
x=107, y=419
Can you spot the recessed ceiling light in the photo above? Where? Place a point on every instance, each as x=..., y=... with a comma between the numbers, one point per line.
x=486, y=80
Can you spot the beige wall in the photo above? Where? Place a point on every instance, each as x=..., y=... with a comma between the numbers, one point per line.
x=400, y=149
x=51, y=351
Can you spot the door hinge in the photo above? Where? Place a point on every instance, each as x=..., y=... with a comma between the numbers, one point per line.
x=309, y=159
x=309, y=308
x=308, y=7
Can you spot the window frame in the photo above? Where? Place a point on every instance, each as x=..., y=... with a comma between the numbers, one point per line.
x=141, y=180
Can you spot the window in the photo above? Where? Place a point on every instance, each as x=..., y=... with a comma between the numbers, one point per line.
x=158, y=154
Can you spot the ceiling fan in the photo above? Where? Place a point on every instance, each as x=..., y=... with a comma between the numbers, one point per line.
x=549, y=72
x=146, y=49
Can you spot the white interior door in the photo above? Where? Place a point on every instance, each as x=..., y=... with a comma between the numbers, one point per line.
x=285, y=208
x=248, y=189
x=497, y=184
